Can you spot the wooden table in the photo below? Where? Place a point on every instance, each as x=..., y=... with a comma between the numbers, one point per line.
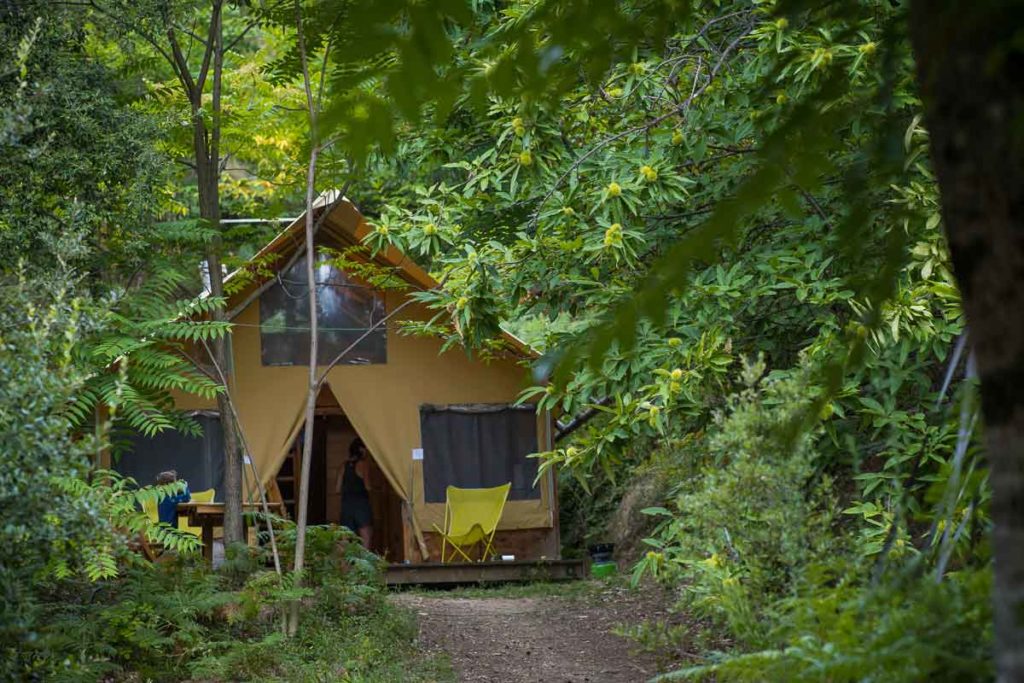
x=207, y=516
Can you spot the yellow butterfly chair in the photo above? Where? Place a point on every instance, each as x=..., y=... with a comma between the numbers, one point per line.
x=206, y=496
x=149, y=507
x=471, y=516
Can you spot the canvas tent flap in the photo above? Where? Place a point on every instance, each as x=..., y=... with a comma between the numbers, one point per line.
x=270, y=400
x=368, y=414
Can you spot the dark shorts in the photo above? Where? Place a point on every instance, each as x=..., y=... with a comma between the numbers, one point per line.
x=356, y=513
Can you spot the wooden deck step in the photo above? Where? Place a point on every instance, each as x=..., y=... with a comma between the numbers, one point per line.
x=435, y=573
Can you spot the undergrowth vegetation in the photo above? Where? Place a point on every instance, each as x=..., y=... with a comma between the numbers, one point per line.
x=770, y=544
x=177, y=620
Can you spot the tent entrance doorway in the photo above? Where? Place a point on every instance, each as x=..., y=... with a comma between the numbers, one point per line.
x=333, y=433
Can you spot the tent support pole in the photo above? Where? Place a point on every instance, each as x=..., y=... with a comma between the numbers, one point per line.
x=266, y=508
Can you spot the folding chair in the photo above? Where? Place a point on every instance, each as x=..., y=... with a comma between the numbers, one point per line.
x=471, y=516
x=149, y=507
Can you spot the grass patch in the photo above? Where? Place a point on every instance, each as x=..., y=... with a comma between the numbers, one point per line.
x=374, y=645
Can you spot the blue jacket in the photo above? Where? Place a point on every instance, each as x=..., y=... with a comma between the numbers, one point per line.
x=167, y=508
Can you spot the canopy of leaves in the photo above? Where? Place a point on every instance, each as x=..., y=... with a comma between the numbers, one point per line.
x=727, y=238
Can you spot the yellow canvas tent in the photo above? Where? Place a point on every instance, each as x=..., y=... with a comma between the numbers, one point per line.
x=388, y=404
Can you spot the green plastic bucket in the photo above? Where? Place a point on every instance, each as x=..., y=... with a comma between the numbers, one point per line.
x=601, y=570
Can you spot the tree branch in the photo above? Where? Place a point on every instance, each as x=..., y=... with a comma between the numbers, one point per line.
x=234, y=41
x=180, y=65
x=373, y=328
x=128, y=28
x=647, y=125
x=214, y=46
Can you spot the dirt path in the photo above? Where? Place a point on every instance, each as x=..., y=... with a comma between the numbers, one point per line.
x=550, y=638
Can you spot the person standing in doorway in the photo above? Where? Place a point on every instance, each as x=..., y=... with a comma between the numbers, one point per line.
x=356, y=512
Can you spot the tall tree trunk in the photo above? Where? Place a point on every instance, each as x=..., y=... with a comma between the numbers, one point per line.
x=971, y=70
x=302, y=513
x=206, y=149
x=209, y=210
x=206, y=142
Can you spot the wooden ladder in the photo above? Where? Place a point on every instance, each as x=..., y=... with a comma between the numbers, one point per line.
x=285, y=486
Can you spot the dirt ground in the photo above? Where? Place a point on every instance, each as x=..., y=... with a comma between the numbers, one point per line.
x=550, y=638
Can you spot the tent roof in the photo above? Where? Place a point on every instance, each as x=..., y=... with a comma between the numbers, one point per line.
x=346, y=225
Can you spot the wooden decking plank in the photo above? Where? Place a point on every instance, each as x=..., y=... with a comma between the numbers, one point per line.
x=484, y=572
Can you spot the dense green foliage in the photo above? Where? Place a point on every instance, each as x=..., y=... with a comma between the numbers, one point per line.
x=75, y=165
x=177, y=620
x=718, y=220
x=730, y=244
x=80, y=172
x=38, y=517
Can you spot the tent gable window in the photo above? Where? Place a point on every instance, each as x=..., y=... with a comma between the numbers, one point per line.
x=346, y=311
x=197, y=460
x=476, y=446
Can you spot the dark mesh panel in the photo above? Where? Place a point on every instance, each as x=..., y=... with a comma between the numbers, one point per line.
x=478, y=447
x=199, y=461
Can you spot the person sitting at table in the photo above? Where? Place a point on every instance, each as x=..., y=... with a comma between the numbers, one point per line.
x=167, y=508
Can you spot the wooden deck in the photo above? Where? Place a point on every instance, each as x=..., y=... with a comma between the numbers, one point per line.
x=435, y=573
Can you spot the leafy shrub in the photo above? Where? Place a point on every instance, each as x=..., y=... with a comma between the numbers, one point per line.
x=797, y=591
x=349, y=631
x=176, y=619
x=748, y=521
x=42, y=523
x=148, y=620
x=332, y=551
x=373, y=644
x=911, y=630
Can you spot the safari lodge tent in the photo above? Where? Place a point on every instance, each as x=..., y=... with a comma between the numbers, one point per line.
x=429, y=419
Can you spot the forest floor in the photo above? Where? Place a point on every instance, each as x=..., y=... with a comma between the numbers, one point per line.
x=559, y=634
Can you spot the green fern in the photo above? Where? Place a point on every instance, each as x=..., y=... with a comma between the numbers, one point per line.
x=118, y=502
x=142, y=354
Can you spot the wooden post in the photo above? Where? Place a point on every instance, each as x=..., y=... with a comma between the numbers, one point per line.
x=207, y=527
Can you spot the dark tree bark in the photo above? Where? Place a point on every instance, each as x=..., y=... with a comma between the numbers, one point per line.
x=206, y=145
x=970, y=63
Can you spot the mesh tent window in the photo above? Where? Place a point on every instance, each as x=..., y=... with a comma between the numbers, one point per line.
x=477, y=446
x=197, y=460
x=346, y=310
